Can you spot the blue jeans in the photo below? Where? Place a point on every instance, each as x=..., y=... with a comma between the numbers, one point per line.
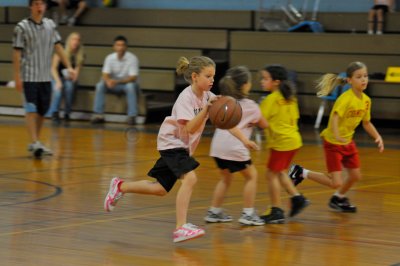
x=68, y=91
x=130, y=90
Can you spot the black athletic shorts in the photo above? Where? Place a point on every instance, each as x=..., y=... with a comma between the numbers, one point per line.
x=37, y=97
x=172, y=164
x=384, y=8
x=71, y=4
x=232, y=166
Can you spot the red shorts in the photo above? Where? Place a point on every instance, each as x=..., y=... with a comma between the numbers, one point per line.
x=280, y=160
x=338, y=155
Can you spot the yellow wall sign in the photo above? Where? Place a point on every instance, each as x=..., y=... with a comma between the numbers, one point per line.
x=393, y=74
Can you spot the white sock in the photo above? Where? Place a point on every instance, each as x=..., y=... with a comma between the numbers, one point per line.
x=215, y=210
x=339, y=195
x=305, y=172
x=248, y=211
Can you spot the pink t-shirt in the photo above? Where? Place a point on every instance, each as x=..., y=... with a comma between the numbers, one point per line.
x=226, y=146
x=173, y=134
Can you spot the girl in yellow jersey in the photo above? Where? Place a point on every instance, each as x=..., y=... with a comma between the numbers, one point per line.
x=281, y=111
x=350, y=109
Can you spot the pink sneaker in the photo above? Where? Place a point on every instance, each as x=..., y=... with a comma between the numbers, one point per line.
x=113, y=195
x=187, y=231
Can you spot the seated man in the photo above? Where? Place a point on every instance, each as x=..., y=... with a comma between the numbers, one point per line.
x=119, y=75
x=79, y=5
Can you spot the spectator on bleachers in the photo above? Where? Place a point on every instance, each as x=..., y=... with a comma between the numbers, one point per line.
x=119, y=75
x=63, y=84
x=376, y=16
x=64, y=5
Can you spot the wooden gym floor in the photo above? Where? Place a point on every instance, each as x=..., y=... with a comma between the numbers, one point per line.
x=52, y=209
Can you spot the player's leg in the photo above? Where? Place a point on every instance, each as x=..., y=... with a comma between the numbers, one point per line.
x=298, y=201
x=184, y=230
x=249, y=214
x=276, y=214
x=215, y=213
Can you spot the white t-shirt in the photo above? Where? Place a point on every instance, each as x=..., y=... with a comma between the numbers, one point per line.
x=382, y=2
x=173, y=134
x=226, y=146
x=121, y=69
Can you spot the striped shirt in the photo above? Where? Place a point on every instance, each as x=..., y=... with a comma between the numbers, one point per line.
x=37, y=44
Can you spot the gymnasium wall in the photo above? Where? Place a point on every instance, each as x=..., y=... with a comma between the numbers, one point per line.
x=325, y=5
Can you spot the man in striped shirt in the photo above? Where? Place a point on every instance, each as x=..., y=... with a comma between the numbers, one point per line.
x=35, y=38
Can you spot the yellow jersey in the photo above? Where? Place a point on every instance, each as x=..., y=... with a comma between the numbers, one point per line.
x=351, y=111
x=282, y=116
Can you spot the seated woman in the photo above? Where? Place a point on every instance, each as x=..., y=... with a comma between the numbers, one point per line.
x=62, y=83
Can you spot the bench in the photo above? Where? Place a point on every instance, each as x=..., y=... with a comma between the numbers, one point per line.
x=161, y=58
x=151, y=80
x=340, y=21
x=212, y=19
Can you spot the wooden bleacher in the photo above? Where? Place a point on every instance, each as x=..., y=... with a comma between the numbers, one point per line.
x=159, y=37
x=312, y=55
x=347, y=22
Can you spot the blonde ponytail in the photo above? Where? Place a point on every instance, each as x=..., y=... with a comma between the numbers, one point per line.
x=327, y=83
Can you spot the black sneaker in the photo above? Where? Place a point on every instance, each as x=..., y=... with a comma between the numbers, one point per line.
x=342, y=204
x=67, y=118
x=55, y=117
x=97, y=120
x=131, y=120
x=276, y=216
x=296, y=174
x=298, y=204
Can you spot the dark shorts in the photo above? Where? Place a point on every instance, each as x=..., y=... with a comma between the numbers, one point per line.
x=71, y=4
x=232, y=166
x=384, y=8
x=37, y=97
x=172, y=165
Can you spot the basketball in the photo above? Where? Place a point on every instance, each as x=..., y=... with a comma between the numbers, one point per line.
x=225, y=112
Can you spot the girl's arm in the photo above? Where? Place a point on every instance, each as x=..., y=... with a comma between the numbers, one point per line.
x=371, y=130
x=263, y=123
x=335, y=128
x=193, y=125
x=239, y=135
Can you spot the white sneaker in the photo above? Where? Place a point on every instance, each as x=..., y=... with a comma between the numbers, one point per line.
x=186, y=232
x=46, y=151
x=252, y=219
x=36, y=149
x=217, y=217
x=113, y=195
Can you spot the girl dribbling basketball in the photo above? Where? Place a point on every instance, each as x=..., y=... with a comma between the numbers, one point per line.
x=177, y=139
